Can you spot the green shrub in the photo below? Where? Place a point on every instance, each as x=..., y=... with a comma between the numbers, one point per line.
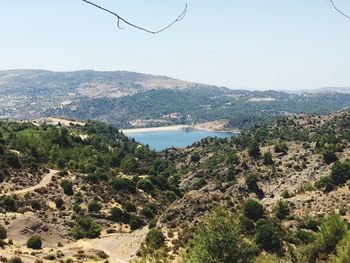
x=63, y=173
x=78, y=198
x=146, y=185
x=86, y=228
x=267, y=236
x=35, y=204
x=130, y=207
x=3, y=232
x=332, y=230
x=340, y=172
x=311, y=224
x=124, y=184
x=76, y=208
x=251, y=180
x=152, y=224
x=129, y=165
x=254, y=150
x=282, y=210
x=126, y=217
x=153, y=207
x=16, y=260
x=342, y=254
x=198, y=183
x=281, y=148
x=116, y=214
x=170, y=196
x=12, y=160
x=134, y=222
x=59, y=202
x=325, y=183
x=9, y=203
x=247, y=225
x=92, y=178
x=217, y=238
x=267, y=158
x=342, y=211
x=253, y=209
x=329, y=156
x=2, y=175
x=285, y=194
x=67, y=187
x=154, y=239
x=305, y=237
x=147, y=212
x=34, y=242
x=94, y=206
x=232, y=158
x=213, y=162
x=195, y=157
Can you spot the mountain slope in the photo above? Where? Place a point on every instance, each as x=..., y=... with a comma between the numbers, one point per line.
x=296, y=160
x=129, y=99
x=295, y=170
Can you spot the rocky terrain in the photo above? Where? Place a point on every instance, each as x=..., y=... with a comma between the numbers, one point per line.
x=216, y=172
x=93, y=195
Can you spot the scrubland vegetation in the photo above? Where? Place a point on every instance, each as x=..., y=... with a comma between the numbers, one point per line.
x=275, y=193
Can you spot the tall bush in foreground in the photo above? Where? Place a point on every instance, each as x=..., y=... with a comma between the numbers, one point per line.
x=154, y=239
x=267, y=236
x=332, y=230
x=218, y=239
x=342, y=254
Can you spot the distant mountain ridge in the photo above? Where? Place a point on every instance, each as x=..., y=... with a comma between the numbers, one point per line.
x=319, y=91
x=88, y=82
x=129, y=99
x=329, y=89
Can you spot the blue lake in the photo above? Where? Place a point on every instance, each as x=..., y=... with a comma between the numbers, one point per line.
x=160, y=140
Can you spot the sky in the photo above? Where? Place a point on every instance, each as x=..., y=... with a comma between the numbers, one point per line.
x=241, y=44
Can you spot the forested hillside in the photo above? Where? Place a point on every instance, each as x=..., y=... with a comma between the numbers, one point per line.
x=98, y=180
x=275, y=193
x=128, y=99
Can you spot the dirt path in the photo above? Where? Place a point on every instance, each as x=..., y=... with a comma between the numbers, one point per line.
x=121, y=248
x=43, y=183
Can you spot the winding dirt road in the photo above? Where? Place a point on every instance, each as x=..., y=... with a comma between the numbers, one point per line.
x=43, y=183
x=121, y=248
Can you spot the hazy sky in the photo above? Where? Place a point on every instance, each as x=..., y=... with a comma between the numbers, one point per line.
x=260, y=44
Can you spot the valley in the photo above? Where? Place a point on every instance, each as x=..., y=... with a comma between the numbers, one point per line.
x=95, y=195
x=174, y=131
x=126, y=167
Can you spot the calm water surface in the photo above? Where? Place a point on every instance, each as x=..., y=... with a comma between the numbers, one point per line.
x=160, y=140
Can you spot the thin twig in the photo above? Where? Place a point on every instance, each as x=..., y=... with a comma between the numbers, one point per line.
x=178, y=19
x=338, y=10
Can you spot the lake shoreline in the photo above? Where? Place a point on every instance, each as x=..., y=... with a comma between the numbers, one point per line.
x=199, y=127
x=154, y=129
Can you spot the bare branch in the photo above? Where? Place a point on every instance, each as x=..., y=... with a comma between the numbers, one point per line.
x=178, y=19
x=338, y=10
